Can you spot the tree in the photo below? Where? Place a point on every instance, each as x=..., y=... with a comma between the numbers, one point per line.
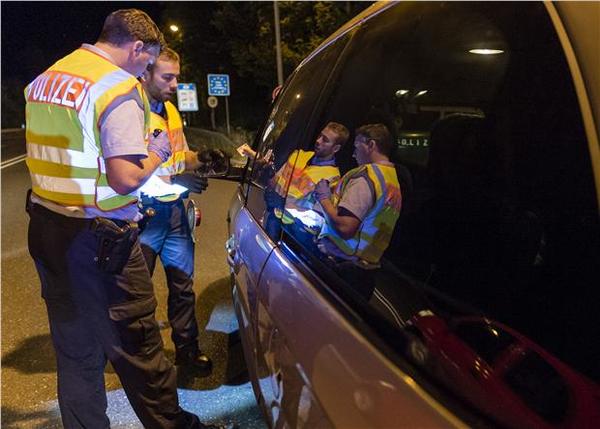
x=13, y=103
x=237, y=38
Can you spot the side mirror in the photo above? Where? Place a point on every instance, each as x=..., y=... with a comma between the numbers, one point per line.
x=215, y=163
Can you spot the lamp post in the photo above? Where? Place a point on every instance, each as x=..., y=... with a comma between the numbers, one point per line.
x=176, y=39
x=278, y=44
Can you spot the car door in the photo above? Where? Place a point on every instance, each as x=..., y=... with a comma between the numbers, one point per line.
x=321, y=369
x=255, y=231
x=480, y=101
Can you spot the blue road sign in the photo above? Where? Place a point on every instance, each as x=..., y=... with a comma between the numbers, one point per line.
x=218, y=84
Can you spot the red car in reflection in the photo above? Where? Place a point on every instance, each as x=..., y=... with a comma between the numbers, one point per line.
x=503, y=373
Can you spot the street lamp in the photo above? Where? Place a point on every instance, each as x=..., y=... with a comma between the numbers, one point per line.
x=174, y=28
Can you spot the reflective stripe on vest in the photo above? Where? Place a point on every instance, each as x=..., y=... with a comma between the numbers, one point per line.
x=174, y=126
x=302, y=179
x=64, y=106
x=375, y=231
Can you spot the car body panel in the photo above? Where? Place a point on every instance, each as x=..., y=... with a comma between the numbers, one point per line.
x=248, y=248
x=579, y=30
x=355, y=384
x=312, y=365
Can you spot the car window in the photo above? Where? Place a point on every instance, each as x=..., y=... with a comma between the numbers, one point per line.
x=499, y=216
x=488, y=341
x=284, y=131
x=540, y=387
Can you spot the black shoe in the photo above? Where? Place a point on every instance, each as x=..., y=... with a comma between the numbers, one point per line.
x=194, y=359
x=195, y=423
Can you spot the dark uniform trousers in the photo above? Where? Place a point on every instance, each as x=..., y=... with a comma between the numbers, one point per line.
x=167, y=235
x=93, y=316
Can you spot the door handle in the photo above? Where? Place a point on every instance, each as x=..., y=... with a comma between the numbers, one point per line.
x=231, y=248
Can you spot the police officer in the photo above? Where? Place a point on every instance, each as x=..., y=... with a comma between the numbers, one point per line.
x=363, y=210
x=297, y=179
x=167, y=234
x=293, y=185
x=87, y=125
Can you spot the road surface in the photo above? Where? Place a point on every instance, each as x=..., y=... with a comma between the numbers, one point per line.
x=28, y=362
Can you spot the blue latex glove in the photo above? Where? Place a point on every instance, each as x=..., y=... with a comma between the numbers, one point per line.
x=160, y=145
x=322, y=191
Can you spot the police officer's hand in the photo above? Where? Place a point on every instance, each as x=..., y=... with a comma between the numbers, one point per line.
x=322, y=191
x=192, y=181
x=160, y=145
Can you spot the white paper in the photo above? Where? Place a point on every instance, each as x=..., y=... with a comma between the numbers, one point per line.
x=310, y=218
x=244, y=150
x=156, y=187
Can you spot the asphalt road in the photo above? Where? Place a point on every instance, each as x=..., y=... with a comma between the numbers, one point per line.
x=28, y=361
x=12, y=144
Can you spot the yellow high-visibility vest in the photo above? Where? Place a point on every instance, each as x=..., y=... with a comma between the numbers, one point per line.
x=375, y=232
x=64, y=108
x=174, y=126
x=302, y=179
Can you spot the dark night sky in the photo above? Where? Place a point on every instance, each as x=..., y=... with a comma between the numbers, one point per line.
x=36, y=34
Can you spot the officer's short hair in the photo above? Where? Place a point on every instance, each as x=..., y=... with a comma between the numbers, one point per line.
x=128, y=25
x=380, y=134
x=341, y=132
x=167, y=54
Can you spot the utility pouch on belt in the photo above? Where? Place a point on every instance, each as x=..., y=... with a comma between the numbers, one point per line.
x=28, y=202
x=114, y=244
x=190, y=214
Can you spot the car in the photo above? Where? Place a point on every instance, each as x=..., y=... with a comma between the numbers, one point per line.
x=493, y=109
x=503, y=372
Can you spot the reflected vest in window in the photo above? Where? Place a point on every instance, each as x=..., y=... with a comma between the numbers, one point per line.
x=174, y=126
x=64, y=107
x=375, y=231
x=302, y=179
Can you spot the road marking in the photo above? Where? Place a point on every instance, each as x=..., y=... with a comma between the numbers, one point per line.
x=386, y=303
x=13, y=161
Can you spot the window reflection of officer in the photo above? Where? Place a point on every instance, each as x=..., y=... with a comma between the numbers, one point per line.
x=87, y=155
x=363, y=210
x=167, y=233
x=292, y=186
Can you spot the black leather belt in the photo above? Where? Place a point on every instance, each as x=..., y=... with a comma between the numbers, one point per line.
x=66, y=221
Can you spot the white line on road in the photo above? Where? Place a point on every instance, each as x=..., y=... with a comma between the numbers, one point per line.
x=13, y=161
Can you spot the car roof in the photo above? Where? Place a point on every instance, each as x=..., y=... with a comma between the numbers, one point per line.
x=368, y=13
